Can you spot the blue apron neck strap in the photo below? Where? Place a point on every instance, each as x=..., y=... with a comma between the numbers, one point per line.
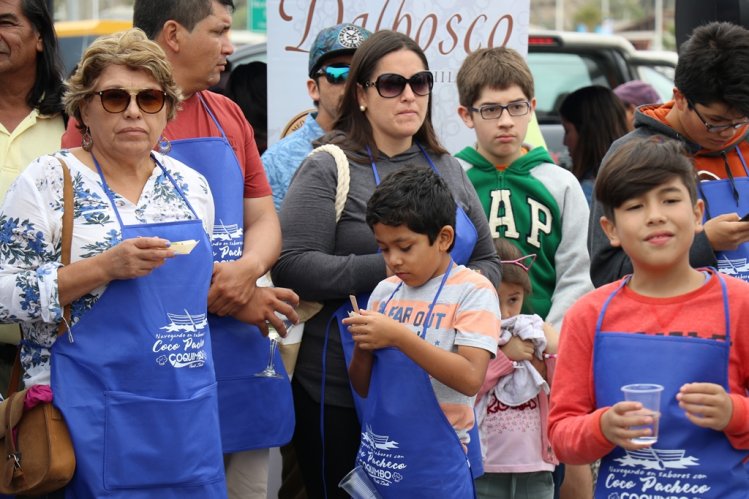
x=726, y=308
x=431, y=305
x=423, y=151
x=384, y=304
x=210, y=113
x=110, y=192
x=429, y=160
x=176, y=186
x=374, y=165
x=599, y=322
x=625, y=281
x=741, y=158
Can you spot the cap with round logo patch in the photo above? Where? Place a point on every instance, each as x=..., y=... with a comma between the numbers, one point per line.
x=335, y=40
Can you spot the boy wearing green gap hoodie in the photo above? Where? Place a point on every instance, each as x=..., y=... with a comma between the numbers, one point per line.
x=528, y=199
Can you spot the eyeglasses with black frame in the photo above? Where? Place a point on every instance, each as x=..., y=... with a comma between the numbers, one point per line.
x=336, y=73
x=116, y=100
x=494, y=111
x=390, y=85
x=715, y=128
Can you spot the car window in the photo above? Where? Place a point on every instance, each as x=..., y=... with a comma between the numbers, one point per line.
x=557, y=74
x=658, y=77
x=71, y=49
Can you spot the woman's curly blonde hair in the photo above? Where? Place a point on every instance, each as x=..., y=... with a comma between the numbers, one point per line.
x=131, y=49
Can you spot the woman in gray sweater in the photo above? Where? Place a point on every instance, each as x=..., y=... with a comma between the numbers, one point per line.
x=384, y=126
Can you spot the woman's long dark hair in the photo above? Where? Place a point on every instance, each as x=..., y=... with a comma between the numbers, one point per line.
x=599, y=118
x=46, y=94
x=351, y=120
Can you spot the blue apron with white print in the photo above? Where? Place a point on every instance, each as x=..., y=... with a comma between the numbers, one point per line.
x=256, y=412
x=686, y=461
x=134, y=379
x=729, y=195
x=408, y=447
x=466, y=237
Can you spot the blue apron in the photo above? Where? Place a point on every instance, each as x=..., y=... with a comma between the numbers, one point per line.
x=465, y=241
x=408, y=447
x=686, y=461
x=255, y=412
x=135, y=382
x=729, y=195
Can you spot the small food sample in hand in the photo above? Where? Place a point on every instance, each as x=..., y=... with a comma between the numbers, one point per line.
x=353, y=303
x=183, y=247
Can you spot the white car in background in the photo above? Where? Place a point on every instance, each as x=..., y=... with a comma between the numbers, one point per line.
x=562, y=62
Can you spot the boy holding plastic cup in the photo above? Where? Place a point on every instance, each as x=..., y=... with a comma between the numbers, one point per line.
x=666, y=323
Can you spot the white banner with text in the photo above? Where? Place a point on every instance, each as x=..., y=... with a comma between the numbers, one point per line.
x=447, y=30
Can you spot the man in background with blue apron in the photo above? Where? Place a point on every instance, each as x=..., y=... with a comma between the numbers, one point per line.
x=211, y=134
x=666, y=324
x=709, y=114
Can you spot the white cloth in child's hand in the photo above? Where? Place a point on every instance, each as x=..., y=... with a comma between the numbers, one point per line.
x=524, y=383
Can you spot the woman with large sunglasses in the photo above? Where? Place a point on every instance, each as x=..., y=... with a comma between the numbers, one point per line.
x=131, y=366
x=384, y=125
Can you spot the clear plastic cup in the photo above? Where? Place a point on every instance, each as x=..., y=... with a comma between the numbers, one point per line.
x=649, y=395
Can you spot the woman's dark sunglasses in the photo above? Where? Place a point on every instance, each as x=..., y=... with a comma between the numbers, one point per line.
x=391, y=85
x=116, y=100
x=335, y=73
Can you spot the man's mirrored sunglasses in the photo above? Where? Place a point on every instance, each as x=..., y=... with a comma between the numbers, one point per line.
x=335, y=73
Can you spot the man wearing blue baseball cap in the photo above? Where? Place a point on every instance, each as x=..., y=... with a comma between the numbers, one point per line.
x=329, y=60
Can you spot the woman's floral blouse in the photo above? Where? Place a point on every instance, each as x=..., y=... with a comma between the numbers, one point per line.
x=31, y=228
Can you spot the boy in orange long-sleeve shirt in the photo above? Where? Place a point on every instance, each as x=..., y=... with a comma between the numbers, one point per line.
x=667, y=323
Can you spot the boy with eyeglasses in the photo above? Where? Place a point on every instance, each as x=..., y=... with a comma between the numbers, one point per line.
x=709, y=114
x=329, y=60
x=528, y=200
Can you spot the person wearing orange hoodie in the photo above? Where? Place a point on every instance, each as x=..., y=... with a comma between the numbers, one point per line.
x=709, y=114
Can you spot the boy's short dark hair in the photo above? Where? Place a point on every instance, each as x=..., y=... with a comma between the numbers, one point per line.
x=512, y=273
x=496, y=68
x=640, y=165
x=416, y=197
x=714, y=66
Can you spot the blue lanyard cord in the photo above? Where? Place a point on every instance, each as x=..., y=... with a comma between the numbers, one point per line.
x=431, y=306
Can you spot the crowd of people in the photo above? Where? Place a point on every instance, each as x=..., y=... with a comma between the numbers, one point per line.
x=477, y=311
